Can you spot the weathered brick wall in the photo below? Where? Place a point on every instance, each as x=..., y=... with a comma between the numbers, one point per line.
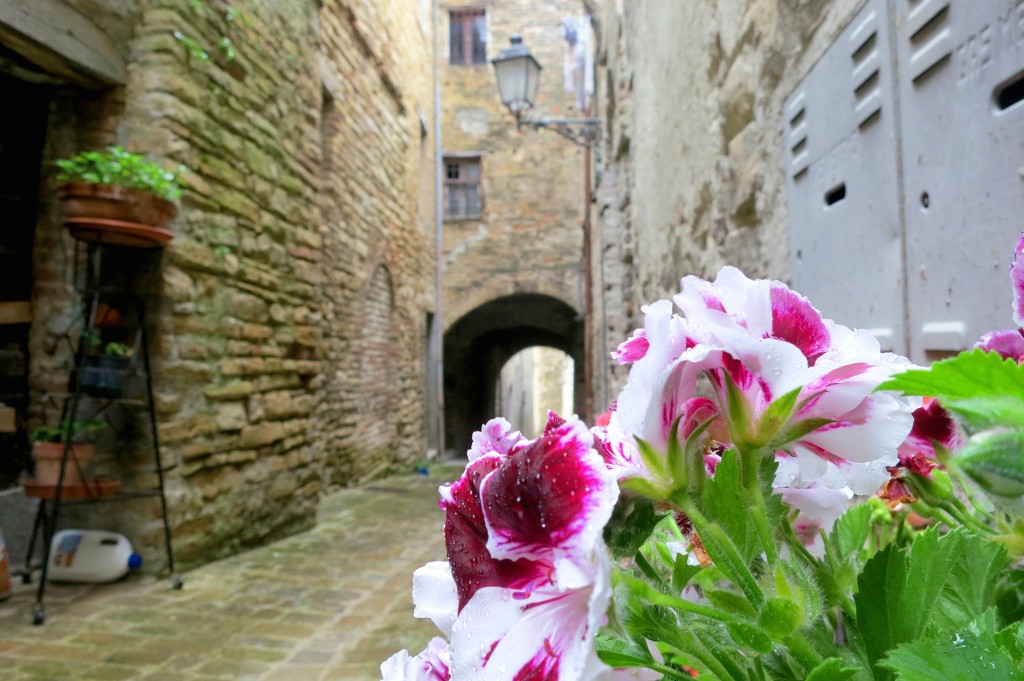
x=529, y=239
x=379, y=258
x=298, y=237
x=692, y=94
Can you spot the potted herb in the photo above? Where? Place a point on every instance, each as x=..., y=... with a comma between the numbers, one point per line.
x=117, y=197
x=48, y=444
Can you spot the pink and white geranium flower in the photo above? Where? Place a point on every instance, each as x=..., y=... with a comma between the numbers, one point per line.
x=528, y=581
x=767, y=341
x=433, y=664
x=1010, y=344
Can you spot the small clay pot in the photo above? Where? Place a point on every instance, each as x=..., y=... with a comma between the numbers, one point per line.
x=48, y=455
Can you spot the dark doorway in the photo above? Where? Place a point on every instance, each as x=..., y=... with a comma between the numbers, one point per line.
x=23, y=122
x=479, y=344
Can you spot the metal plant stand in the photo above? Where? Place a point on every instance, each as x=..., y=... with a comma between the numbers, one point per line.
x=53, y=499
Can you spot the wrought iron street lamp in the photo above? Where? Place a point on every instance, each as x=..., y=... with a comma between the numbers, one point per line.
x=518, y=75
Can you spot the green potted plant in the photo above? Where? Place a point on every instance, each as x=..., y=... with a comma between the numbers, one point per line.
x=48, y=444
x=117, y=197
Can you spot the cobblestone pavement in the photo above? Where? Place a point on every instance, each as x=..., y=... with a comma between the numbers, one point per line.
x=328, y=604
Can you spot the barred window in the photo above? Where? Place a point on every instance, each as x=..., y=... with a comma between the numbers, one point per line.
x=467, y=37
x=462, y=189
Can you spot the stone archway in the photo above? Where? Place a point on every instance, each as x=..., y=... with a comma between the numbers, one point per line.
x=479, y=343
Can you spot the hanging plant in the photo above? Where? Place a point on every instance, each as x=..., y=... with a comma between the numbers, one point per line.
x=119, y=198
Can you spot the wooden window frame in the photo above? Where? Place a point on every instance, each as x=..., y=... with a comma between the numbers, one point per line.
x=467, y=51
x=460, y=183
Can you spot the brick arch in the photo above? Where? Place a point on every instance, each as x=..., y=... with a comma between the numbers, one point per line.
x=468, y=301
x=477, y=345
x=377, y=422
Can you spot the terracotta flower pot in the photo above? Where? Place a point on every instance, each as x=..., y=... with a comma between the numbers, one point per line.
x=118, y=216
x=47, y=456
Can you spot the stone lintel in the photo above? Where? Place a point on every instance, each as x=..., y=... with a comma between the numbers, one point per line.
x=61, y=41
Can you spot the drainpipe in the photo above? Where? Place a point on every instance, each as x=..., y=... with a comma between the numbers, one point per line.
x=588, y=319
x=436, y=336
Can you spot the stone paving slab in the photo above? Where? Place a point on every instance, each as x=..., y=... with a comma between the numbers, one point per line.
x=326, y=605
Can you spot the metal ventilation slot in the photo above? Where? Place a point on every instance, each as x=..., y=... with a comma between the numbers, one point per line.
x=931, y=38
x=866, y=69
x=835, y=195
x=797, y=138
x=1010, y=93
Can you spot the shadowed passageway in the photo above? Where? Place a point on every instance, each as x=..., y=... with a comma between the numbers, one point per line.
x=478, y=345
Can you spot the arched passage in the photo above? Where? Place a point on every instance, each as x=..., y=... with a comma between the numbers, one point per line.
x=478, y=344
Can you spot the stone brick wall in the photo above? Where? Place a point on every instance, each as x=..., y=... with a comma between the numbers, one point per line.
x=519, y=268
x=691, y=95
x=288, y=315
x=529, y=238
x=378, y=257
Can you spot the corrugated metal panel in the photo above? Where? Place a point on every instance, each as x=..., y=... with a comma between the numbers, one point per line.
x=963, y=164
x=945, y=181
x=845, y=235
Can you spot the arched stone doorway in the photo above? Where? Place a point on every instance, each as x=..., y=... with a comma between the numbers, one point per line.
x=478, y=344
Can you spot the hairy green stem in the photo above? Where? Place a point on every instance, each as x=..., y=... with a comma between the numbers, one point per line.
x=722, y=550
x=803, y=651
x=760, y=514
x=749, y=460
x=648, y=569
x=966, y=519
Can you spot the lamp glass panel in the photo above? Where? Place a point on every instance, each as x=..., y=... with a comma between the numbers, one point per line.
x=532, y=80
x=511, y=77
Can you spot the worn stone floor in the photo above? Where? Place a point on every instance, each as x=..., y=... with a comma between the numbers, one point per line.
x=328, y=604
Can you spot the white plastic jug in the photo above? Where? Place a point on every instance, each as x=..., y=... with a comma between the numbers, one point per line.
x=91, y=556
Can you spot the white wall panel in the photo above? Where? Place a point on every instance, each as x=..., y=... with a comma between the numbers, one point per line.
x=916, y=117
x=963, y=164
x=840, y=130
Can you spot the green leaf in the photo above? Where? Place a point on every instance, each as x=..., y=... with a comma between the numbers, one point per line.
x=850, y=532
x=931, y=561
x=968, y=654
x=896, y=591
x=996, y=462
x=651, y=458
x=633, y=519
x=797, y=430
x=618, y=653
x=795, y=582
x=1011, y=639
x=620, y=661
x=776, y=416
x=982, y=388
x=725, y=503
x=675, y=457
x=878, y=600
x=971, y=588
x=739, y=416
x=939, y=582
x=726, y=556
x=831, y=669
x=1009, y=596
x=642, y=487
x=749, y=637
x=682, y=573
x=730, y=601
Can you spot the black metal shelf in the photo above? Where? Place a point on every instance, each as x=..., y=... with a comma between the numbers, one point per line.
x=74, y=402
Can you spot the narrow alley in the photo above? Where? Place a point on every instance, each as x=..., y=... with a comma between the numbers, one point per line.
x=328, y=604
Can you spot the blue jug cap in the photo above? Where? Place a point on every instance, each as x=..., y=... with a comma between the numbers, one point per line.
x=134, y=561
